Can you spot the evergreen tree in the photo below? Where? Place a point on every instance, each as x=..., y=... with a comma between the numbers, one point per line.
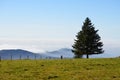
x=87, y=41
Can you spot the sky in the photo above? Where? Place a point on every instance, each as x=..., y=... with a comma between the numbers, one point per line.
x=46, y=25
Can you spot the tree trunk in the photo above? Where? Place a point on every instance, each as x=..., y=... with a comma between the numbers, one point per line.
x=87, y=56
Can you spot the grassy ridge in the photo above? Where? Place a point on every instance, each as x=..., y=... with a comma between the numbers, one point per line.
x=66, y=69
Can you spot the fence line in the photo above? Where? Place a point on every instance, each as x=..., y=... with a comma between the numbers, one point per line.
x=20, y=57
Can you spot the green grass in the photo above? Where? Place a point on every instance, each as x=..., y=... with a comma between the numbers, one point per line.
x=66, y=69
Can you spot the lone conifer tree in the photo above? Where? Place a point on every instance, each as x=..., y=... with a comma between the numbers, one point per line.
x=87, y=41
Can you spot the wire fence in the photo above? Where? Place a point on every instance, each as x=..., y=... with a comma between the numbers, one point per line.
x=33, y=57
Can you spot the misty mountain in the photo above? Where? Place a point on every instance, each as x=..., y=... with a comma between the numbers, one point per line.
x=65, y=52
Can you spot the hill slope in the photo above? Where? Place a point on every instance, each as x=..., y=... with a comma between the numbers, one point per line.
x=66, y=69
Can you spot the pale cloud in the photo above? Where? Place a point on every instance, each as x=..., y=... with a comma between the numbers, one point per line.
x=25, y=47
x=35, y=45
x=43, y=45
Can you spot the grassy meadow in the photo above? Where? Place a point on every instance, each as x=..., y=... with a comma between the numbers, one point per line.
x=66, y=69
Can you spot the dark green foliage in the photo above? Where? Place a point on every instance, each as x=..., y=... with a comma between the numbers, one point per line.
x=88, y=41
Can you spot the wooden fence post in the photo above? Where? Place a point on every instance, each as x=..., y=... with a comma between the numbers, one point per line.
x=11, y=57
x=20, y=57
x=61, y=57
x=28, y=57
x=0, y=58
x=35, y=56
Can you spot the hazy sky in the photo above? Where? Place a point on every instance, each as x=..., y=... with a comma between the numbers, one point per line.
x=40, y=25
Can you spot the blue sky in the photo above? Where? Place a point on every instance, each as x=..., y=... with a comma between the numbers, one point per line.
x=40, y=25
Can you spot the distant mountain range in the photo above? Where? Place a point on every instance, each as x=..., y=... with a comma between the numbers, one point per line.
x=19, y=54
x=24, y=54
x=65, y=52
